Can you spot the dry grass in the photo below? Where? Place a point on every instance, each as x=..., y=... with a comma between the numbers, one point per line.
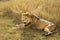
x=10, y=11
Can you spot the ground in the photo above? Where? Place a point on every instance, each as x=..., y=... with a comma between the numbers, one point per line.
x=10, y=14
x=7, y=33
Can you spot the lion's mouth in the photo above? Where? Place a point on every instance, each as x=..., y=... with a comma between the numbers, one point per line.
x=28, y=24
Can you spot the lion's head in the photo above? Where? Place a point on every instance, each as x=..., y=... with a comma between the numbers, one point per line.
x=28, y=18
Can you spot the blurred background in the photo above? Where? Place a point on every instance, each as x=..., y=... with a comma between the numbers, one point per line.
x=11, y=12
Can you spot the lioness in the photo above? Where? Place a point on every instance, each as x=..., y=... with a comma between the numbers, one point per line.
x=41, y=24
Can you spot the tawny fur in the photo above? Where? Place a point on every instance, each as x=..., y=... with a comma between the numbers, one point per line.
x=38, y=23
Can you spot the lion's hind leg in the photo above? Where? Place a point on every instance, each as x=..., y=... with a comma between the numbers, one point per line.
x=48, y=31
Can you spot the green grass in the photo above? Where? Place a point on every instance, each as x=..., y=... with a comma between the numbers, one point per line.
x=47, y=9
x=6, y=31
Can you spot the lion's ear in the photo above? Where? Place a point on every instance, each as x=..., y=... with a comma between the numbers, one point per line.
x=26, y=14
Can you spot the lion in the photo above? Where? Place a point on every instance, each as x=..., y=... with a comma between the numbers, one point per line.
x=41, y=24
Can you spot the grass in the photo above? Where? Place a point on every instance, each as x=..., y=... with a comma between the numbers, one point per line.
x=7, y=33
x=10, y=14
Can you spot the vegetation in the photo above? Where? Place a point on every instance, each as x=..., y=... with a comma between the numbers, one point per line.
x=10, y=14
